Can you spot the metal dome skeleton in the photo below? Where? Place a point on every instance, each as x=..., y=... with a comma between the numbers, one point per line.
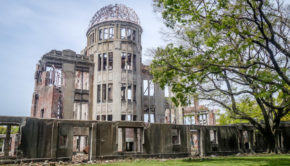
x=114, y=12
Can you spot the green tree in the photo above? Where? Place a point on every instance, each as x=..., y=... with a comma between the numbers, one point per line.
x=231, y=52
x=14, y=129
x=247, y=106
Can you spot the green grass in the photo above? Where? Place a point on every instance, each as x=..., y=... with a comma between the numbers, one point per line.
x=261, y=160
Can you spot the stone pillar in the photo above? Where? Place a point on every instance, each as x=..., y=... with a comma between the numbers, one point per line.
x=201, y=143
x=123, y=139
x=68, y=90
x=92, y=89
x=159, y=104
x=135, y=140
x=117, y=82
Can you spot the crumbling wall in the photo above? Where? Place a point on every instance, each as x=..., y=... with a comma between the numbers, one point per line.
x=63, y=79
x=53, y=139
x=36, y=138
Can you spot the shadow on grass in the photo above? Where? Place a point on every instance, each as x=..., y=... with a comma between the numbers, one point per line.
x=268, y=160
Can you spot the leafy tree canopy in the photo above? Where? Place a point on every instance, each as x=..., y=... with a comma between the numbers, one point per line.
x=232, y=53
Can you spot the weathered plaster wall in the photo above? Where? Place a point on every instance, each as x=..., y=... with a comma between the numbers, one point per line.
x=53, y=138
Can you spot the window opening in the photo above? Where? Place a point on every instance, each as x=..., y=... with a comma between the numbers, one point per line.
x=111, y=33
x=145, y=87
x=129, y=93
x=92, y=38
x=129, y=34
x=98, y=93
x=105, y=61
x=134, y=62
x=134, y=93
x=99, y=62
x=100, y=34
x=42, y=113
x=110, y=92
x=134, y=35
x=123, y=33
x=213, y=140
x=123, y=60
x=36, y=98
x=175, y=136
x=151, y=86
x=129, y=117
x=104, y=95
x=123, y=92
x=110, y=117
x=106, y=33
x=129, y=67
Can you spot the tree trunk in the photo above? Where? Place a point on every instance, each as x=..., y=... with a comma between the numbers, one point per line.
x=272, y=142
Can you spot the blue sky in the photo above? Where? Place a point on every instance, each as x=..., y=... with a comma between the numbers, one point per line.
x=31, y=28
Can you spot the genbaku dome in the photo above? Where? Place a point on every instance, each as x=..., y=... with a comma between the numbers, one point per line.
x=101, y=103
x=107, y=80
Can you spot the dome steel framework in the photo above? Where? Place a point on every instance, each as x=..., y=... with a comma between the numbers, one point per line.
x=114, y=12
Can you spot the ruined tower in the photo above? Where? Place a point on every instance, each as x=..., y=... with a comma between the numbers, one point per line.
x=107, y=81
x=114, y=40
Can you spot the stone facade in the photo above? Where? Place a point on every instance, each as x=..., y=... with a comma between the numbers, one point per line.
x=107, y=81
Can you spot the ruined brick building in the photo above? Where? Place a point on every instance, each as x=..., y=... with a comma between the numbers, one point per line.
x=107, y=81
x=95, y=102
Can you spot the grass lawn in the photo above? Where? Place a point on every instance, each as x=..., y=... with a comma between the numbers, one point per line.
x=261, y=160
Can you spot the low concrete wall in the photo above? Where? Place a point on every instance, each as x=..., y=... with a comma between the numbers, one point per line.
x=53, y=139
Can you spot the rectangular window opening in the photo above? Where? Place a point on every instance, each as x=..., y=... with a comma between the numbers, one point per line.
x=105, y=61
x=123, y=60
x=42, y=113
x=106, y=33
x=123, y=33
x=145, y=87
x=98, y=93
x=134, y=35
x=9, y=140
x=104, y=95
x=110, y=117
x=213, y=140
x=175, y=136
x=134, y=93
x=123, y=92
x=129, y=34
x=99, y=62
x=149, y=118
x=134, y=117
x=92, y=38
x=134, y=62
x=111, y=33
x=130, y=139
x=151, y=86
x=129, y=64
x=123, y=117
x=129, y=95
x=100, y=34
x=110, y=92
x=36, y=98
